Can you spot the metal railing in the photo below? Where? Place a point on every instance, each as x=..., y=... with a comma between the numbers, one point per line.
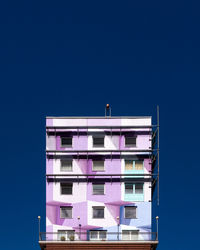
x=101, y=235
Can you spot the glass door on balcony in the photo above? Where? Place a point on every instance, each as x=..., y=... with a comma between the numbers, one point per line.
x=66, y=235
x=98, y=235
x=130, y=235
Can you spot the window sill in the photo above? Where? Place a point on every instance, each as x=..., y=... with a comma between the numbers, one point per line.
x=66, y=194
x=98, y=171
x=98, y=218
x=66, y=218
x=134, y=193
x=66, y=170
x=63, y=146
x=98, y=194
x=130, y=218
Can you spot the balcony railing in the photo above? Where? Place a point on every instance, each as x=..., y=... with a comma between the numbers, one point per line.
x=71, y=236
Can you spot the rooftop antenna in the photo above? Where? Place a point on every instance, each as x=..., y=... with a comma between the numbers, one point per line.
x=108, y=110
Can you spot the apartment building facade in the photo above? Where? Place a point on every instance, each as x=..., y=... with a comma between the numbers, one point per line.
x=98, y=183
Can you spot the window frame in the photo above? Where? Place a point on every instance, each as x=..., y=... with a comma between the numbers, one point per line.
x=130, y=184
x=133, y=185
x=98, y=234
x=65, y=160
x=97, y=137
x=129, y=233
x=66, y=145
x=142, y=165
x=98, y=207
x=98, y=170
x=130, y=145
x=125, y=161
x=71, y=212
x=125, y=212
x=65, y=184
x=142, y=188
x=65, y=233
x=93, y=184
x=133, y=164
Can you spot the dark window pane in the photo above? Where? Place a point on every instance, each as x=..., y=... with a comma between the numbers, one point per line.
x=66, y=165
x=93, y=234
x=98, y=212
x=102, y=234
x=66, y=141
x=98, y=166
x=66, y=188
x=139, y=188
x=130, y=212
x=98, y=189
x=98, y=141
x=130, y=141
x=66, y=212
x=128, y=188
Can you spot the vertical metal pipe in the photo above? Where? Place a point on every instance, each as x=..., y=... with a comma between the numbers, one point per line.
x=118, y=233
x=157, y=227
x=158, y=150
x=107, y=110
x=118, y=228
x=79, y=225
x=79, y=231
x=39, y=226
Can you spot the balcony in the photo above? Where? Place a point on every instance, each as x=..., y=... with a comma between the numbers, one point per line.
x=103, y=240
x=70, y=236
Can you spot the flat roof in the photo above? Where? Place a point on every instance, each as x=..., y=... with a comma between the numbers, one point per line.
x=97, y=117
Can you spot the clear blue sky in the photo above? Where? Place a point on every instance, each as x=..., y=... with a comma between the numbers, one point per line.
x=71, y=58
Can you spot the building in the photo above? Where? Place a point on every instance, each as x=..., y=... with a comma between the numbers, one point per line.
x=99, y=183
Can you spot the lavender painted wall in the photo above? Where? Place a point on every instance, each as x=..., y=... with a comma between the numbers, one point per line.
x=83, y=200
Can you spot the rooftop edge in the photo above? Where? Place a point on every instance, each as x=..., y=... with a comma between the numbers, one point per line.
x=97, y=117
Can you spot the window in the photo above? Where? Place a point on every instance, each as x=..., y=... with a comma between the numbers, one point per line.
x=98, y=141
x=66, y=188
x=139, y=188
x=66, y=142
x=98, y=212
x=66, y=165
x=66, y=212
x=130, y=141
x=98, y=189
x=128, y=188
x=130, y=212
x=65, y=234
x=98, y=166
x=133, y=165
x=138, y=165
x=130, y=234
x=98, y=235
x=128, y=165
x=134, y=188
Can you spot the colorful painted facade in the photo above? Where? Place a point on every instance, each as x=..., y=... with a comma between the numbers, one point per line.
x=98, y=178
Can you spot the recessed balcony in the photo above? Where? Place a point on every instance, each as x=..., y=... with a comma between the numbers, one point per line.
x=70, y=236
